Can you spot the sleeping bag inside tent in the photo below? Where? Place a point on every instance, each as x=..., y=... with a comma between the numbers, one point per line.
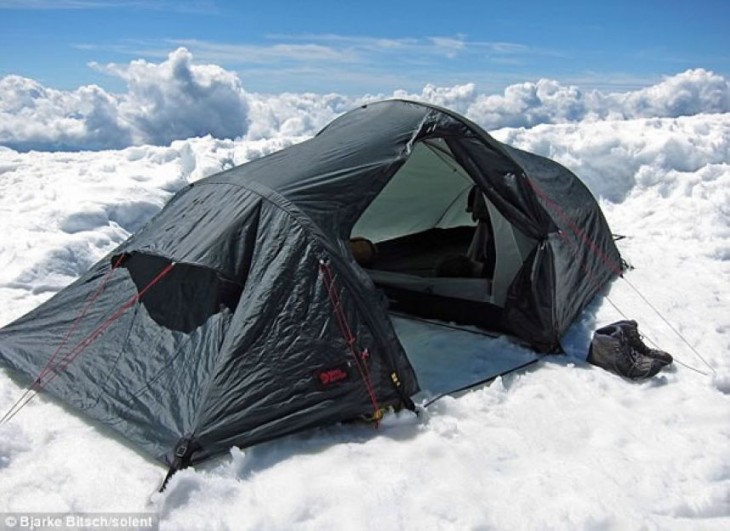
x=239, y=313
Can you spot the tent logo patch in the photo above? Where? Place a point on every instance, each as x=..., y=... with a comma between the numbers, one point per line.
x=332, y=376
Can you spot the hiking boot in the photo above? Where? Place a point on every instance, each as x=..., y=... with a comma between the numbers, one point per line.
x=631, y=330
x=665, y=357
x=611, y=349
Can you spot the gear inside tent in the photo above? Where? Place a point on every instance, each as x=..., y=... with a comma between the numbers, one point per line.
x=240, y=313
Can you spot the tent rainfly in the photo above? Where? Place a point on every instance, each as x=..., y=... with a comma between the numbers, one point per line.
x=239, y=313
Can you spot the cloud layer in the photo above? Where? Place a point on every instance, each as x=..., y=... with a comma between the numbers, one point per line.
x=163, y=102
x=178, y=99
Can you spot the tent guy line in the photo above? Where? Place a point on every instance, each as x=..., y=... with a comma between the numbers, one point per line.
x=669, y=324
x=54, y=369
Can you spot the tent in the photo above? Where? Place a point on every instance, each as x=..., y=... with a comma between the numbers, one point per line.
x=239, y=314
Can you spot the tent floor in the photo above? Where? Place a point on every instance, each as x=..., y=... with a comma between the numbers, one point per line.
x=447, y=357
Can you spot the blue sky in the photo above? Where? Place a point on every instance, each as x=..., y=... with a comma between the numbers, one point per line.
x=370, y=47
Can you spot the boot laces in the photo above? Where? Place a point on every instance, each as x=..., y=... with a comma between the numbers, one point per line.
x=632, y=334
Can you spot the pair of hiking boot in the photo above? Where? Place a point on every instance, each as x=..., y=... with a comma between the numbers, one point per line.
x=618, y=348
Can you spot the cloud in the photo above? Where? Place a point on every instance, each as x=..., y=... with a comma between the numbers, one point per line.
x=547, y=101
x=684, y=157
x=279, y=50
x=448, y=46
x=35, y=117
x=458, y=98
x=291, y=115
x=693, y=92
x=528, y=104
x=166, y=101
x=350, y=63
x=178, y=98
x=257, y=54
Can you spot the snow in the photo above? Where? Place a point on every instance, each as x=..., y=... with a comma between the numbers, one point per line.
x=559, y=445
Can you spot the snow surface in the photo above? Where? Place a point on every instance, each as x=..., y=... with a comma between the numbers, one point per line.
x=561, y=445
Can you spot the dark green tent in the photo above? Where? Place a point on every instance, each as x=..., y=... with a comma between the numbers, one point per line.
x=238, y=313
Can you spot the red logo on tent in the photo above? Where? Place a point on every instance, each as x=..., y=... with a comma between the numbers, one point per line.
x=331, y=376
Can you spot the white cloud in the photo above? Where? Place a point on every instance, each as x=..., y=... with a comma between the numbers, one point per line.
x=458, y=98
x=335, y=48
x=35, y=117
x=448, y=46
x=692, y=92
x=166, y=101
x=178, y=98
x=294, y=115
x=617, y=157
x=547, y=101
x=257, y=54
x=528, y=104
